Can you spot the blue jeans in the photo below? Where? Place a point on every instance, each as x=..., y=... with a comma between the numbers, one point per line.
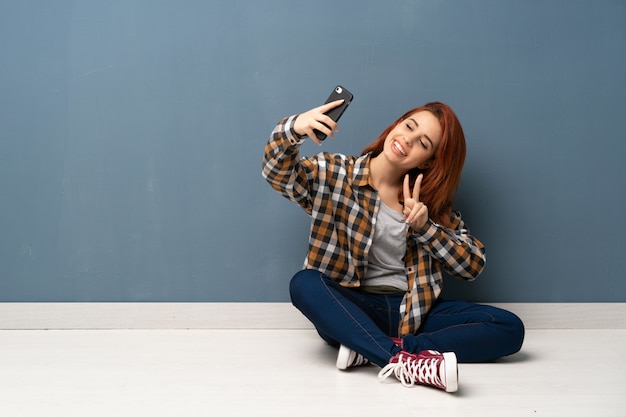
x=366, y=322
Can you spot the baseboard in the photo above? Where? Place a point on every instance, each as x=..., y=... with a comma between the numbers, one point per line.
x=76, y=316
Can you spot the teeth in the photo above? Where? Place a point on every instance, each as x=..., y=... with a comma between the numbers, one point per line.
x=399, y=148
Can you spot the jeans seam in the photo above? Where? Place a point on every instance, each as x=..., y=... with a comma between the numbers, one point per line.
x=453, y=327
x=460, y=314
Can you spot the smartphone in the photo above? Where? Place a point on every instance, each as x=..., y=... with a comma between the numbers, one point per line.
x=337, y=94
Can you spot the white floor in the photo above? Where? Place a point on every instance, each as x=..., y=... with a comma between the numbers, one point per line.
x=291, y=373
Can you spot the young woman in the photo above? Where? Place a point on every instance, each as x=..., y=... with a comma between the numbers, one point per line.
x=382, y=231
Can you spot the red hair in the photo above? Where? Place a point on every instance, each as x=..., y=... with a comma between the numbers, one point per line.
x=442, y=178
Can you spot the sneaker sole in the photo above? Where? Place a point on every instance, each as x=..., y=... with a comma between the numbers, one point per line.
x=343, y=358
x=452, y=372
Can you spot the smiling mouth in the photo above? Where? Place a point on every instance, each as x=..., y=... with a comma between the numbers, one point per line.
x=399, y=148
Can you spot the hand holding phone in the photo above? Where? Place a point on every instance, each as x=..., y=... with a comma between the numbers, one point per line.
x=339, y=93
x=321, y=121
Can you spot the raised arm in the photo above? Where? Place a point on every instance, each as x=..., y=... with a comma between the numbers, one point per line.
x=282, y=167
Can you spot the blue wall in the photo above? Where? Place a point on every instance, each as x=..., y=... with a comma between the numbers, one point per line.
x=131, y=136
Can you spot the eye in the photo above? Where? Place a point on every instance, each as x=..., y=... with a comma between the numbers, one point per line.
x=409, y=126
x=423, y=143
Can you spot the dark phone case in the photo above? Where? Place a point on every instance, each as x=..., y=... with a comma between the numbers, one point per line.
x=338, y=93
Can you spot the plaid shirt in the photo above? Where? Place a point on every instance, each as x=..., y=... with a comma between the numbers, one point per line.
x=335, y=191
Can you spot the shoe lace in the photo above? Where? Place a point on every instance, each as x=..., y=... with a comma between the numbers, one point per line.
x=410, y=371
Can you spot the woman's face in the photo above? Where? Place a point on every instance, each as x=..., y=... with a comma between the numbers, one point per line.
x=414, y=141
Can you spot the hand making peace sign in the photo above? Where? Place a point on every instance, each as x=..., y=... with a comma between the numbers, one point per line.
x=415, y=212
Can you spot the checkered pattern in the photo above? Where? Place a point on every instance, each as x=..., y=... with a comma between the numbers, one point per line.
x=335, y=191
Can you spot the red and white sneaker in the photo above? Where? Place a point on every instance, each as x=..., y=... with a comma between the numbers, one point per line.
x=347, y=358
x=428, y=367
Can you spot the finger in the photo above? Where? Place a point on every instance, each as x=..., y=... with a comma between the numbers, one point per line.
x=413, y=213
x=324, y=118
x=329, y=106
x=329, y=123
x=421, y=218
x=418, y=216
x=417, y=186
x=311, y=134
x=422, y=211
x=406, y=212
x=323, y=128
x=406, y=193
x=314, y=138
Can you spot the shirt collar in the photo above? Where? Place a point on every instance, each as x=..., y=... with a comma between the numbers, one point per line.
x=361, y=175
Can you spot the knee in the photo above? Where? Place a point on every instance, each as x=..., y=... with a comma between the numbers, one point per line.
x=514, y=329
x=302, y=285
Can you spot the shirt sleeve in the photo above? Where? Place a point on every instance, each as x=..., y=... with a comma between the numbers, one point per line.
x=282, y=167
x=461, y=254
